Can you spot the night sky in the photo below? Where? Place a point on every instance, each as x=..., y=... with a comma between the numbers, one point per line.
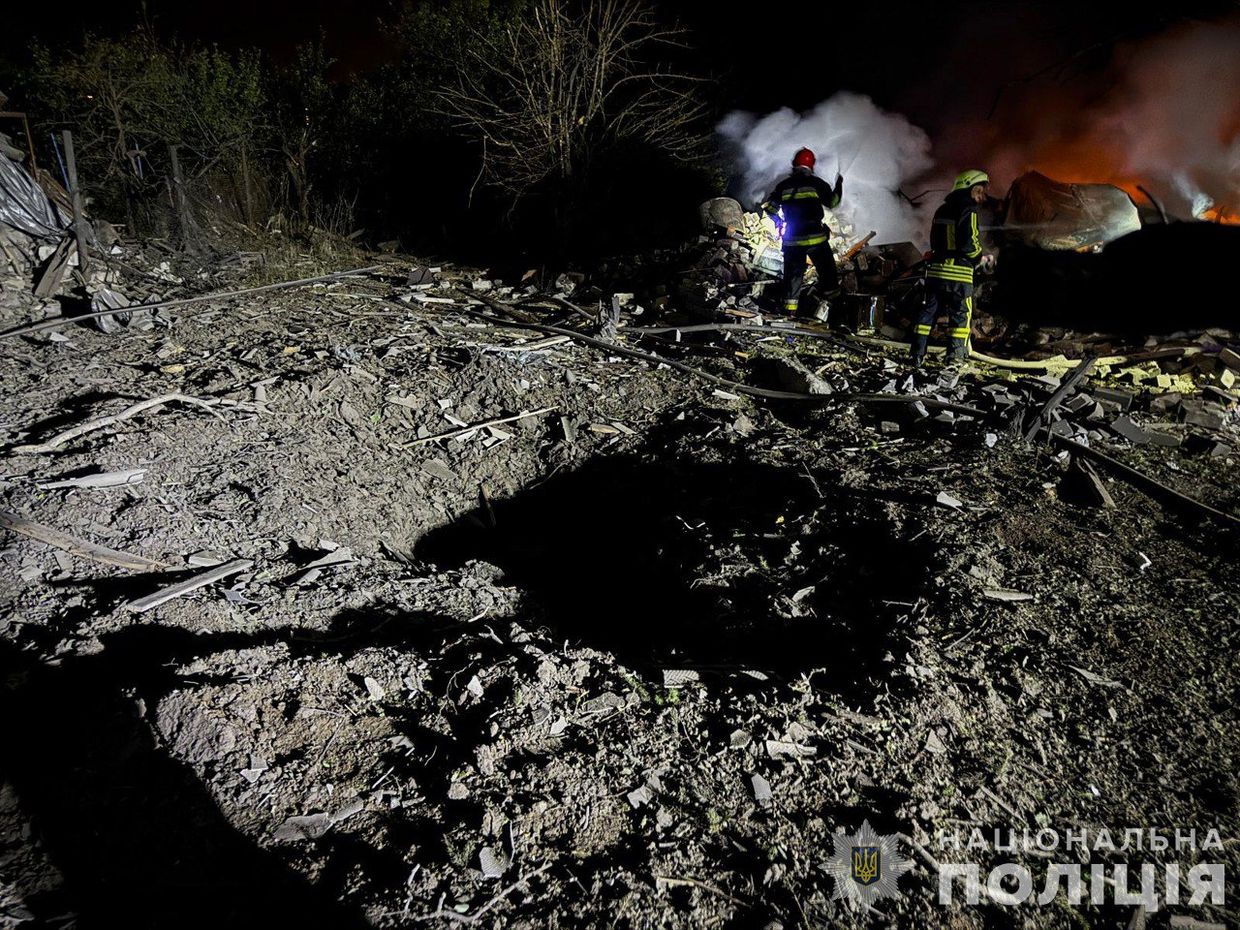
x=934, y=62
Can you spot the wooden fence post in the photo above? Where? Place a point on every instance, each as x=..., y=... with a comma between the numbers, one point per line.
x=178, y=193
x=75, y=195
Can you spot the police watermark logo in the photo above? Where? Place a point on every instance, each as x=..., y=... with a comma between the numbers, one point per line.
x=865, y=866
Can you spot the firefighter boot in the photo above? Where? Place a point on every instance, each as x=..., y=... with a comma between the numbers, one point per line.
x=917, y=353
x=917, y=345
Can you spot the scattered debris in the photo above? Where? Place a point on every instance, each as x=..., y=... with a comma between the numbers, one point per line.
x=315, y=826
x=76, y=546
x=1001, y=594
x=761, y=790
x=107, y=479
x=182, y=588
x=946, y=500
x=132, y=411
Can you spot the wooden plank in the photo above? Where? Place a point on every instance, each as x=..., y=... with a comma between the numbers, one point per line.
x=1069, y=384
x=182, y=588
x=49, y=284
x=75, y=546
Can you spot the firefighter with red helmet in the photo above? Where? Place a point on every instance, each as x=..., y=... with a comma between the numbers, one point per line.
x=800, y=198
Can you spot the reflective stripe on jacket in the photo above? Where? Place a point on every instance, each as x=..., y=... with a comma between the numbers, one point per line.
x=955, y=240
x=801, y=198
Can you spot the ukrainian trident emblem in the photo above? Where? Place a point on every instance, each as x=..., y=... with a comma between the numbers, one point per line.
x=866, y=862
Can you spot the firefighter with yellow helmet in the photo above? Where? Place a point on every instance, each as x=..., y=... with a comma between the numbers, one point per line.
x=956, y=251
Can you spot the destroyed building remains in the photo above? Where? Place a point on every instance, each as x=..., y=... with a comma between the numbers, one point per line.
x=351, y=584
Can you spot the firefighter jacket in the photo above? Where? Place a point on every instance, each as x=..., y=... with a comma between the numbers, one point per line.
x=802, y=196
x=955, y=242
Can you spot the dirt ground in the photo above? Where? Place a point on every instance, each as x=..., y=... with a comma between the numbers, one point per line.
x=545, y=673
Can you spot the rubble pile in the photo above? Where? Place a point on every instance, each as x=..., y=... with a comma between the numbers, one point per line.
x=416, y=595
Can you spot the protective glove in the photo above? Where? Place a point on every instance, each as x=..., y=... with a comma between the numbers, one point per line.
x=988, y=262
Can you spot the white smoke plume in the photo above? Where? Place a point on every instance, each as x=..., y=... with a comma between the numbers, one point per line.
x=876, y=151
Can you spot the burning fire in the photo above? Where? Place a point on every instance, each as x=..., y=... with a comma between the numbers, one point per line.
x=1087, y=162
x=1219, y=214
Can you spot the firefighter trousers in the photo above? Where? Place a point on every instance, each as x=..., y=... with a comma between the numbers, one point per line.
x=953, y=298
x=794, y=273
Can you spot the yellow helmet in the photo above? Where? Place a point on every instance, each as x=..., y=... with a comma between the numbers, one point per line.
x=970, y=178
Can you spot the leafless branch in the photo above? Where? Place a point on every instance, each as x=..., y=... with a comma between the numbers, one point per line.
x=548, y=92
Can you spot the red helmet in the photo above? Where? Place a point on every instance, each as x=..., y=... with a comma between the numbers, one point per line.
x=804, y=158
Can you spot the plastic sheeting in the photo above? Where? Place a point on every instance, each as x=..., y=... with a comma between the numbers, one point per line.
x=1053, y=215
x=25, y=207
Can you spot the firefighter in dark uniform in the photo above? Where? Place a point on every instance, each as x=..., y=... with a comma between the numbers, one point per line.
x=956, y=250
x=801, y=197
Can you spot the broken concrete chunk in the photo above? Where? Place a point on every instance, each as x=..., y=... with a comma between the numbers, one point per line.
x=1197, y=415
x=310, y=827
x=1205, y=445
x=791, y=375
x=1124, y=427
x=1225, y=399
x=946, y=500
x=339, y=556
x=761, y=790
x=739, y=739
x=1088, y=480
x=777, y=749
x=1121, y=399
x=603, y=703
x=1078, y=403
x=934, y=744
x=373, y=689
x=492, y=863
x=1003, y=594
x=1167, y=440
x=639, y=797
x=437, y=469
x=1166, y=403
x=743, y=425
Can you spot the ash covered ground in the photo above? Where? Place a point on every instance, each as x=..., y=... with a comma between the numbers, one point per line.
x=629, y=661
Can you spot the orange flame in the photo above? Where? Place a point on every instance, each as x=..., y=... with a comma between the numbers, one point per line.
x=1220, y=214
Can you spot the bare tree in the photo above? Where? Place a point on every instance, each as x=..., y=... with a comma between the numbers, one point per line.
x=553, y=88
